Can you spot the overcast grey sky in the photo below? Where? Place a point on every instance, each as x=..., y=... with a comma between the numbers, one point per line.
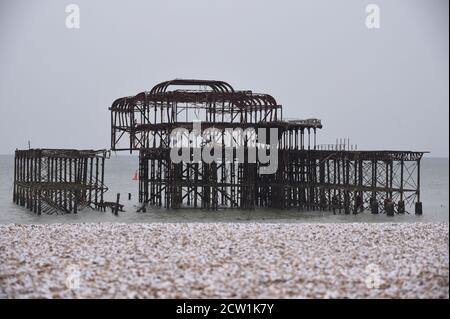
x=384, y=88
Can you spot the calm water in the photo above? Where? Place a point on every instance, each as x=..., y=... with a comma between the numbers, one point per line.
x=119, y=171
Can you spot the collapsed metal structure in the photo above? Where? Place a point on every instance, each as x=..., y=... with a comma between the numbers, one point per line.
x=307, y=177
x=59, y=180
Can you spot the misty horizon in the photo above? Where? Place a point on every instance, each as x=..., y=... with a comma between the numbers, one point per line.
x=385, y=89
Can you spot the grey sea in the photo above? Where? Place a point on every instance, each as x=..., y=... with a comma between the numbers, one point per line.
x=119, y=172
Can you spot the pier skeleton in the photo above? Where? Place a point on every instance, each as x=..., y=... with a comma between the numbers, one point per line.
x=308, y=176
x=59, y=180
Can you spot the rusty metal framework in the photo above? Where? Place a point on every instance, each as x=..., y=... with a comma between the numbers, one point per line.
x=307, y=176
x=59, y=180
x=350, y=181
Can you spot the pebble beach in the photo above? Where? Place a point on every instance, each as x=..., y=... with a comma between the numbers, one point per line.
x=225, y=260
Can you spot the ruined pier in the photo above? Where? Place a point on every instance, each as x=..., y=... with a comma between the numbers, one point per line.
x=52, y=181
x=307, y=176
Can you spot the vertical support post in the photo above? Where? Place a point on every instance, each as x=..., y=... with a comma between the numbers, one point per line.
x=40, y=182
x=418, y=206
x=116, y=208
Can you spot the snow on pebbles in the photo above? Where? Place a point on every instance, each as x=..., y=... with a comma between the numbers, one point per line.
x=215, y=260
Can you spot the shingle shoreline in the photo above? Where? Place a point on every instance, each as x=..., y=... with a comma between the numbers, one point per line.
x=225, y=260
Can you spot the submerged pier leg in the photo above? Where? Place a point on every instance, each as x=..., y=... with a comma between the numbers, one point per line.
x=418, y=206
x=389, y=207
x=401, y=207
